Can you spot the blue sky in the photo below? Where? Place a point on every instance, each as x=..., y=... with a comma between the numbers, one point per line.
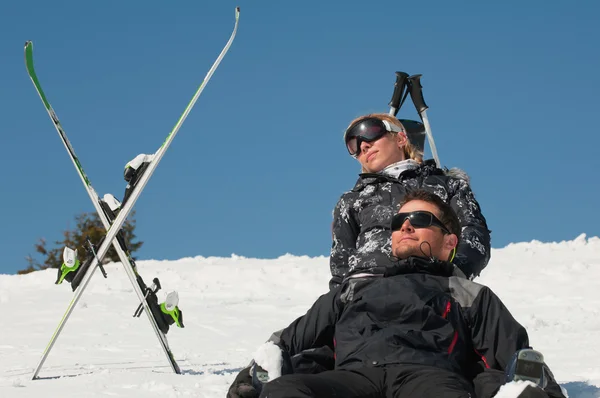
x=259, y=164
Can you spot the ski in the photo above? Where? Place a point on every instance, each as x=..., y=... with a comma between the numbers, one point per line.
x=123, y=253
x=114, y=228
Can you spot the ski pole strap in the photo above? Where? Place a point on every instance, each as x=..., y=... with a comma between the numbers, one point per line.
x=416, y=93
x=92, y=250
x=400, y=93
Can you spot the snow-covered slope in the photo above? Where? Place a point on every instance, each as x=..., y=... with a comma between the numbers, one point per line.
x=231, y=305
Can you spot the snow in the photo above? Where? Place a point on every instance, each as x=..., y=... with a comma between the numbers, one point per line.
x=268, y=356
x=232, y=305
x=512, y=389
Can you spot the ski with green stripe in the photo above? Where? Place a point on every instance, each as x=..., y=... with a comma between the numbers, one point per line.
x=113, y=229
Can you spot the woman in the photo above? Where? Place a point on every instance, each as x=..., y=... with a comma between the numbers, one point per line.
x=391, y=166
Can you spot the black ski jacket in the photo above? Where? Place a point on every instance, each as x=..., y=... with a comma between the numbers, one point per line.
x=414, y=312
x=362, y=217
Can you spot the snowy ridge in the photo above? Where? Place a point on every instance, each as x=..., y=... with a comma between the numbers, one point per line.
x=231, y=305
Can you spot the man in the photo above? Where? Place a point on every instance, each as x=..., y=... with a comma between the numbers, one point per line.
x=413, y=329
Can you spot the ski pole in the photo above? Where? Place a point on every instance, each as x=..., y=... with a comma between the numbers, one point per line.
x=416, y=94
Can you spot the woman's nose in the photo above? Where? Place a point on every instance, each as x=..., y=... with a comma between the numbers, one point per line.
x=364, y=146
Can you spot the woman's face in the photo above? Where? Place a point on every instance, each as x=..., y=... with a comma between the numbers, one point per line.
x=377, y=155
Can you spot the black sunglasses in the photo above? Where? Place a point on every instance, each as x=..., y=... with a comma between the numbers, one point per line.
x=367, y=130
x=418, y=219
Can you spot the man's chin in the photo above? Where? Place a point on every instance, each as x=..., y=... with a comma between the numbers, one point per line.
x=406, y=252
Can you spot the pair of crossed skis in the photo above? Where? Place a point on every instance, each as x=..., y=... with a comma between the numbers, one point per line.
x=114, y=226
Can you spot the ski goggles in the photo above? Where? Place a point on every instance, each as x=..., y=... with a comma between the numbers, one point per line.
x=418, y=219
x=367, y=130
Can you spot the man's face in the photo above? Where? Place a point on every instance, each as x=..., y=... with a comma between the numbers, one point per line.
x=424, y=242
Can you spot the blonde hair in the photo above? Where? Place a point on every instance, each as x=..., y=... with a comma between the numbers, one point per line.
x=410, y=151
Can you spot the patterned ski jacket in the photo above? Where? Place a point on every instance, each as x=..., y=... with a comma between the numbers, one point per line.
x=361, y=219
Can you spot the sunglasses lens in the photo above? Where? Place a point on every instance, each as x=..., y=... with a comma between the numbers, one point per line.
x=418, y=219
x=421, y=219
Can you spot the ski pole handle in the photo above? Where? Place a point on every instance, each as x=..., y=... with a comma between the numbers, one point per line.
x=399, y=88
x=416, y=93
x=156, y=283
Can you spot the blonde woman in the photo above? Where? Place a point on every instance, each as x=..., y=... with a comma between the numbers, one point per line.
x=392, y=164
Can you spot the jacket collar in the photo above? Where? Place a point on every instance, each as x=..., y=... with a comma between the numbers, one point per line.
x=420, y=265
x=411, y=265
x=425, y=169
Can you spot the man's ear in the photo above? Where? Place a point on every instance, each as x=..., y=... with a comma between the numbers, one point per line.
x=450, y=241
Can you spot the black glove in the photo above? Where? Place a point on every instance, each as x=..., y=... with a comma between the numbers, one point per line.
x=488, y=382
x=242, y=386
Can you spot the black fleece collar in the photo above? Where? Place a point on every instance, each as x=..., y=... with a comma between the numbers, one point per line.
x=411, y=265
x=420, y=265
